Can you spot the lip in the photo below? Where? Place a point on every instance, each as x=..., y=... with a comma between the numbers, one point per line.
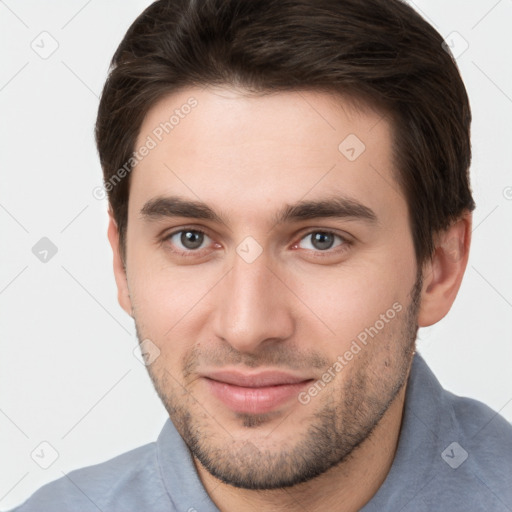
x=255, y=380
x=254, y=393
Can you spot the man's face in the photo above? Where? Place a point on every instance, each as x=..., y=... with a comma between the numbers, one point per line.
x=323, y=293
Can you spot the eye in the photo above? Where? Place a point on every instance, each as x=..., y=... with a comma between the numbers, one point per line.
x=321, y=241
x=188, y=239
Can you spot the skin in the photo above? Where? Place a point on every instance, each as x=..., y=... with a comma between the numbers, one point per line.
x=296, y=307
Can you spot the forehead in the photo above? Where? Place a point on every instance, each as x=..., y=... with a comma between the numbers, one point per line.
x=241, y=152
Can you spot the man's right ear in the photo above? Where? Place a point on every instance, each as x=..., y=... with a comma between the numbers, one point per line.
x=123, y=294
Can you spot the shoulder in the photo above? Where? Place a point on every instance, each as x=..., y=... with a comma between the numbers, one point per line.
x=474, y=470
x=476, y=453
x=486, y=434
x=476, y=417
x=454, y=453
x=473, y=437
x=130, y=481
x=483, y=429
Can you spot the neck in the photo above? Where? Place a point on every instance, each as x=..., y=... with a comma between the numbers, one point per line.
x=346, y=487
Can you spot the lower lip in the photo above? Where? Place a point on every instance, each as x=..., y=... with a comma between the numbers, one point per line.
x=254, y=400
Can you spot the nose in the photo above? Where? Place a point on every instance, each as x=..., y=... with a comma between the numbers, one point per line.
x=254, y=306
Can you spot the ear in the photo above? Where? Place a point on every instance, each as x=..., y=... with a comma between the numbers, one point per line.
x=123, y=294
x=442, y=275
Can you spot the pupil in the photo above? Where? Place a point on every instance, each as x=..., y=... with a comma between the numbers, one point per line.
x=323, y=240
x=191, y=239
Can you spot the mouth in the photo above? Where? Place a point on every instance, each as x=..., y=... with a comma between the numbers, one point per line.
x=254, y=393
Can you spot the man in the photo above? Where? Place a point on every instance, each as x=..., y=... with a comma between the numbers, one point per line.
x=289, y=203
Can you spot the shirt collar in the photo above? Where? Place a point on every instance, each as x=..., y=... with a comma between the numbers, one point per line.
x=418, y=448
x=428, y=426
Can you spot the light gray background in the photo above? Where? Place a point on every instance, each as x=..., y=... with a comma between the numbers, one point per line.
x=68, y=375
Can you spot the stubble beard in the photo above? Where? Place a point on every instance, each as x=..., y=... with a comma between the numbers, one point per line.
x=335, y=431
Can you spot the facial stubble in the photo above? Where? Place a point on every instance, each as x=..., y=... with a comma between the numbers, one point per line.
x=347, y=417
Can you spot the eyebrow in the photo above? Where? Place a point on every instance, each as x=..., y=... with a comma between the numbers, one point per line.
x=333, y=207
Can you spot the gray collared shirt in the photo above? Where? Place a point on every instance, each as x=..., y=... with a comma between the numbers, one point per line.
x=454, y=454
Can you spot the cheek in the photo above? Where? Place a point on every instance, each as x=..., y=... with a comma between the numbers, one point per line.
x=166, y=299
x=353, y=298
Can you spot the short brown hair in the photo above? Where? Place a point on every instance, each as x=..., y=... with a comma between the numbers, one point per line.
x=379, y=51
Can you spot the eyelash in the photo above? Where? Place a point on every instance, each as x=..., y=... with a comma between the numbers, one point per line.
x=190, y=252
x=344, y=246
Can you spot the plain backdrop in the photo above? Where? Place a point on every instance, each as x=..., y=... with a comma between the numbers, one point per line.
x=68, y=375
